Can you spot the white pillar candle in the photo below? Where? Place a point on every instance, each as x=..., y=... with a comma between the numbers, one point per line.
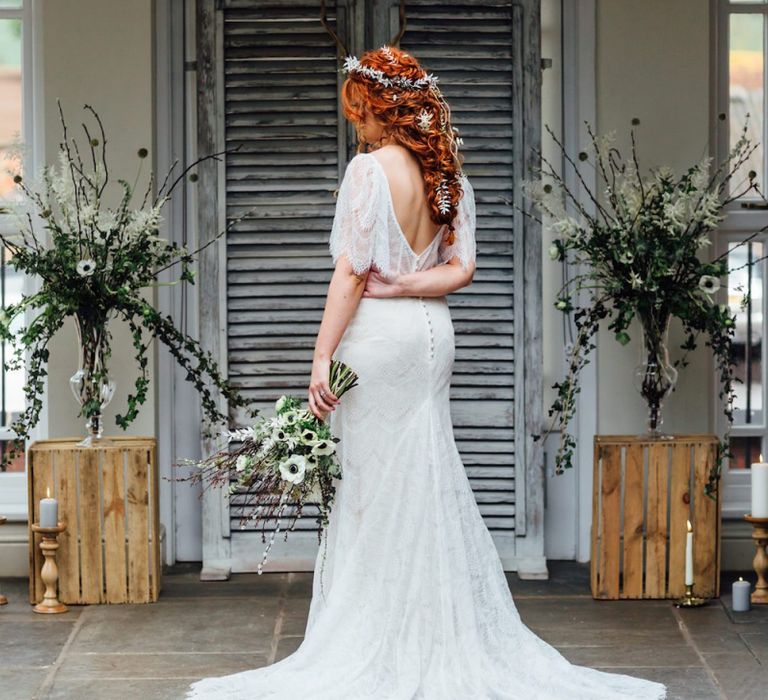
x=49, y=511
x=741, y=590
x=689, y=555
x=759, y=489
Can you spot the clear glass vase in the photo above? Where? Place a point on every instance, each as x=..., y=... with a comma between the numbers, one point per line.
x=91, y=384
x=655, y=377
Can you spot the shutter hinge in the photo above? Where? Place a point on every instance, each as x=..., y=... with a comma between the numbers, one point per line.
x=546, y=63
x=190, y=66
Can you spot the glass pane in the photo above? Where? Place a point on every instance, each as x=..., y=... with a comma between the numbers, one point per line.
x=747, y=348
x=10, y=99
x=11, y=383
x=745, y=62
x=10, y=4
x=746, y=450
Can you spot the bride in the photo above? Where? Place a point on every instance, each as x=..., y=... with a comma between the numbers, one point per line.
x=409, y=597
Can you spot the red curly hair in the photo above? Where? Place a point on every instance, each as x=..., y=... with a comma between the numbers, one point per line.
x=416, y=116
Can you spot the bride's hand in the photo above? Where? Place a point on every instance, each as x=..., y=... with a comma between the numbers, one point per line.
x=321, y=398
x=380, y=287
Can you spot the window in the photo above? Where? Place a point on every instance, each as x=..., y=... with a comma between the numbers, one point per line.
x=742, y=50
x=16, y=107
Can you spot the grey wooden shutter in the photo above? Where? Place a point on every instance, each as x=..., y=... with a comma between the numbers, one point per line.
x=282, y=112
x=281, y=107
x=471, y=46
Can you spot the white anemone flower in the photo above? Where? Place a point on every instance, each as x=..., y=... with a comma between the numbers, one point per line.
x=709, y=284
x=293, y=469
x=308, y=437
x=323, y=447
x=85, y=268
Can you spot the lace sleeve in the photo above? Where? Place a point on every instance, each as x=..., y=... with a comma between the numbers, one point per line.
x=358, y=221
x=464, y=245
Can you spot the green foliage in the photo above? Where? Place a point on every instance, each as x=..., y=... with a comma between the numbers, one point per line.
x=638, y=252
x=93, y=262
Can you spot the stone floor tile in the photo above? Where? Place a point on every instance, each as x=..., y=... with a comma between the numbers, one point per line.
x=156, y=665
x=682, y=683
x=593, y=614
x=32, y=643
x=679, y=655
x=579, y=636
x=728, y=660
x=181, y=626
x=300, y=585
x=740, y=684
x=20, y=683
x=712, y=641
x=286, y=646
x=138, y=689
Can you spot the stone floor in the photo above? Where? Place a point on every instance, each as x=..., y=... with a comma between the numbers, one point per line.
x=153, y=652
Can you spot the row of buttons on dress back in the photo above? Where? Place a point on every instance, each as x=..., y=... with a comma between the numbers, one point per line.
x=431, y=333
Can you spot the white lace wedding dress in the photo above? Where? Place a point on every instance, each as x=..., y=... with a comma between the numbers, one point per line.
x=414, y=604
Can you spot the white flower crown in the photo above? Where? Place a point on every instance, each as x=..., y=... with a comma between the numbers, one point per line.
x=352, y=65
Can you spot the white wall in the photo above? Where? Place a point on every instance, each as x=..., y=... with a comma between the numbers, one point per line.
x=97, y=52
x=653, y=62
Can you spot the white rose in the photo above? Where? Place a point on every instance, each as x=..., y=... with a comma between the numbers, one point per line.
x=280, y=404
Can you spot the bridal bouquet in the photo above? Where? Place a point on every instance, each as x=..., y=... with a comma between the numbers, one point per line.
x=280, y=464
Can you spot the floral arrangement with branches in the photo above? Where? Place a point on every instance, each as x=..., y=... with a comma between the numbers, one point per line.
x=278, y=465
x=641, y=248
x=93, y=262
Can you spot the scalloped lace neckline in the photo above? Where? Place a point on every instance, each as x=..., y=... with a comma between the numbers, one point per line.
x=391, y=205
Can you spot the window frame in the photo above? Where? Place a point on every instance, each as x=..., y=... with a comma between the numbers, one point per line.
x=739, y=223
x=13, y=486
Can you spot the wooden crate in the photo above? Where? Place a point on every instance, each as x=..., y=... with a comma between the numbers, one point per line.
x=108, y=498
x=643, y=493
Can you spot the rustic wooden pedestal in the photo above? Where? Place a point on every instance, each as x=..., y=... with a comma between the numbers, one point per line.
x=643, y=493
x=108, y=500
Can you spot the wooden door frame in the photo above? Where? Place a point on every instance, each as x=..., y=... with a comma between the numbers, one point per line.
x=528, y=539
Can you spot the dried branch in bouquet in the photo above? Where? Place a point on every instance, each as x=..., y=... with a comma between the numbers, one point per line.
x=286, y=461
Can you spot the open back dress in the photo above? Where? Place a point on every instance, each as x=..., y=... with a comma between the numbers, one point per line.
x=412, y=603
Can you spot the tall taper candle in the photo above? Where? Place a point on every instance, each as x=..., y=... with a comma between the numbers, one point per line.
x=689, y=555
x=49, y=511
x=759, y=489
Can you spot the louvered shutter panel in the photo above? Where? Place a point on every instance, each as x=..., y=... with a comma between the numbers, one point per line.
x=470, y=46
x=282, y=110
x=282, y=113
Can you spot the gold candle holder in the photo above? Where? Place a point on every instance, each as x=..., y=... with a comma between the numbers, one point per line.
x=689, y=600
x=760, y=562
x=3, y=599
x=50, y=572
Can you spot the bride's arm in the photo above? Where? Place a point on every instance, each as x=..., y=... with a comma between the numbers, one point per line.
x=435, y=282
x=344, y=293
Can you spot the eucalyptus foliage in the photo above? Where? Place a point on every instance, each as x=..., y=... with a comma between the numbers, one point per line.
x=94, y=262
x=641, y=249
